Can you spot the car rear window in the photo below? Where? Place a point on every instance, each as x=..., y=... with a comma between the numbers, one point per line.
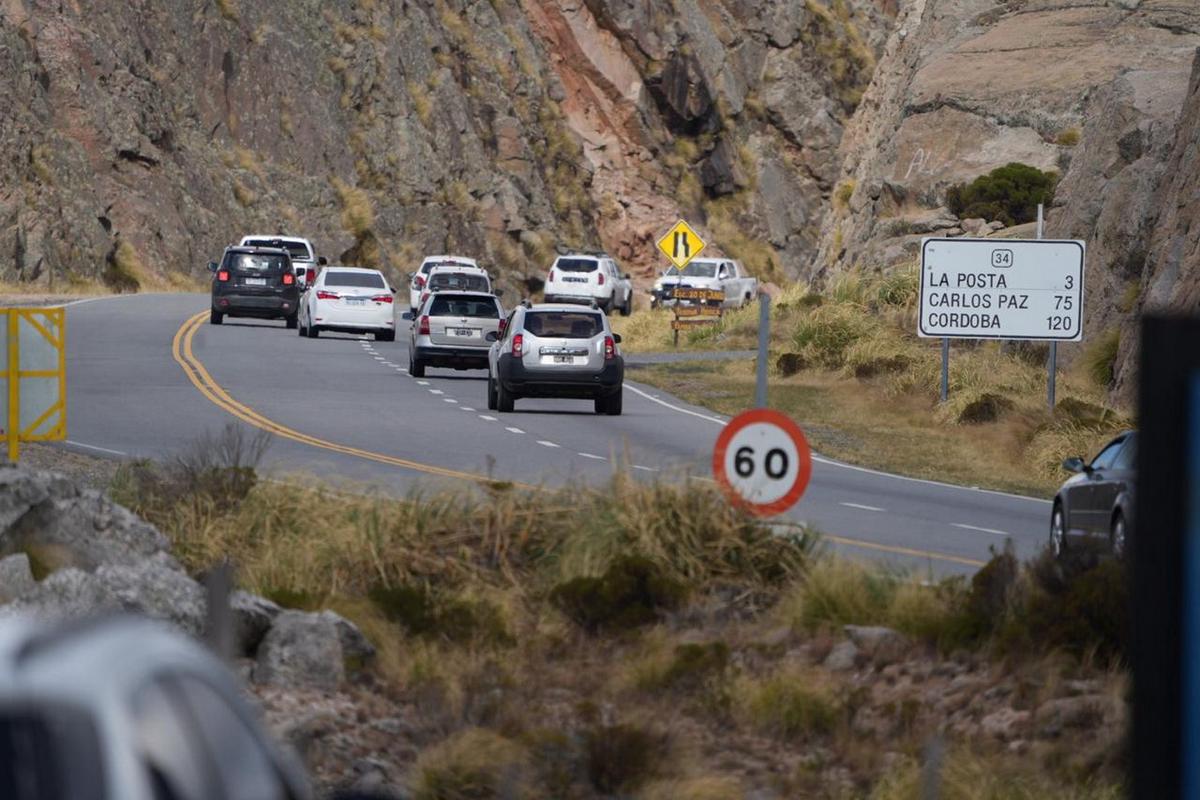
x=563, y=324
x=449, y=305
x=49, y=753
x=577, y=264
x=257, y=264
x=463, y=281
x=428, y=265
x=296, y=250
x=362, y=280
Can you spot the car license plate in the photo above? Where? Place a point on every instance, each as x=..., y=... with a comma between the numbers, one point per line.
x=575, y=280
x=356, y=301
x=557, y=359
x=256, y=281
x=463, y=333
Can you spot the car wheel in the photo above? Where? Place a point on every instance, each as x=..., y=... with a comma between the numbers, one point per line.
x=313, y=331
x=385, y=336
x=216, y=317
x=1117, y=535
x=505, y=400
x=1058, y=532
x=491, y=398
x=627, y=309
x=415, y=367
x=301, y=330
x=613, y=404
x=291, y=322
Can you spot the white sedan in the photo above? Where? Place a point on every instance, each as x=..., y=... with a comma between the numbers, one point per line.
x=350, y=300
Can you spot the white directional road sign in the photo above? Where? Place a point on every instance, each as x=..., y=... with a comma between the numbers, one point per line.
x=1002, y=289
x=762, y=461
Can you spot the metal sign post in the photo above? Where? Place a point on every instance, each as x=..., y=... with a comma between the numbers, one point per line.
x=1052, y=358
x=33, y=365
x=764, y=336
x=945, y=369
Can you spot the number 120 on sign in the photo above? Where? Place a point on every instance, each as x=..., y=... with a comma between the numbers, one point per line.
x=763, y=462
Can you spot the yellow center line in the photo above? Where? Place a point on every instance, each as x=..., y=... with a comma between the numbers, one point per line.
x=198, y=375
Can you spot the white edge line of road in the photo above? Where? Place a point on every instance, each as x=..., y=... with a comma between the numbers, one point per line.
x=94, y=447
x=842, y=465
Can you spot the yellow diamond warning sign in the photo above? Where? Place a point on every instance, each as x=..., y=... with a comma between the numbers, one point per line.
x=681, y=244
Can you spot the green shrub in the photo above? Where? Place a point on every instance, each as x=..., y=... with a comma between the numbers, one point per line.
x=475, y=764
x=695, y=664
x=632, y=592
x=1099, y=359
x=824, y=335
x=297, y=599
x=789, y=705
x=899, y=288
x=422, y=613
x=1009, y=194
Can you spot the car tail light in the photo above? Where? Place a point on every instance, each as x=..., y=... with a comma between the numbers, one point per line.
x=518, y=346
x=420, y=281
x=601, y=276
x=552, y=278
x=310, y=275
x=223, y=275
x=610, y=348
x=288, y=279
x=503, y=327
x=423, y=327
x=424, y=297
x=324, y=295
x=382, y=298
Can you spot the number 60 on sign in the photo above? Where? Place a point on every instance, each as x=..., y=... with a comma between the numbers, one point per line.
x=763, y=462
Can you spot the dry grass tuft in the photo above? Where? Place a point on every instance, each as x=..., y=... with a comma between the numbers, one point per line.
x=358, y=213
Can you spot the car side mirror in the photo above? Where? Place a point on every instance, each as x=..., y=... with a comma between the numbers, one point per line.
x=212, y=266
x=499, y=293
x=407, y=316
x=617, y=338
x=625, y=276
x=322, y=261
x=1075, y=464
x=492, y=336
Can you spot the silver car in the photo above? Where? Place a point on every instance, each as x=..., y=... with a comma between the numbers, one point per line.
x=452, y=329
x=556, y=350
x=128, y=709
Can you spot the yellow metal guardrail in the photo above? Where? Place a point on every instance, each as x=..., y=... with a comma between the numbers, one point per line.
x=33, y=365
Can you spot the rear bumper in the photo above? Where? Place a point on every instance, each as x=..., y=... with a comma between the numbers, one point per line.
x=255, y=305
x=577, y=299
x=456, y=357
x=526, y=382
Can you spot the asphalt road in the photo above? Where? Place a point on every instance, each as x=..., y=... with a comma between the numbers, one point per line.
x=144, y=384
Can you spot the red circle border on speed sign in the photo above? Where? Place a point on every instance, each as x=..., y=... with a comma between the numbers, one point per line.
x=803, y=475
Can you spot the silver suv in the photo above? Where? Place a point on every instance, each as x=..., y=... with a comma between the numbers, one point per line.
x=451, y=329
x=556, y=350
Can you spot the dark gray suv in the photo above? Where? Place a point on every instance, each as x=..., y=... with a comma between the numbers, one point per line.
x=254, y=282
x=1095, y=505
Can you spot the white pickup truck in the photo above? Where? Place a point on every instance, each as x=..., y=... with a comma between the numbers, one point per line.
x=723, y=274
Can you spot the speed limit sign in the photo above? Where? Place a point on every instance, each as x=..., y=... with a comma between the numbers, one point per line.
x=763, y=462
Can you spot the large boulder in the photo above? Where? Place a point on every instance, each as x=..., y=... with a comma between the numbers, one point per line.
x=48, y=515
x=302, y=649
x=16, y=577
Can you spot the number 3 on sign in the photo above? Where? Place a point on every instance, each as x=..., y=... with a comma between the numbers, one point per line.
x=763, y=462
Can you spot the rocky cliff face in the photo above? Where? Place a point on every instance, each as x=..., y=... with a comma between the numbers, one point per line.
x=1092, y=90
x=140, y=138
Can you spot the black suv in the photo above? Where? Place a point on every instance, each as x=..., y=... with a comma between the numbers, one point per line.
x=254, y=282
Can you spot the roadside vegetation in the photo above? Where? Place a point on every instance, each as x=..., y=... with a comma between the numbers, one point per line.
x=646, y=640
x=847, y=364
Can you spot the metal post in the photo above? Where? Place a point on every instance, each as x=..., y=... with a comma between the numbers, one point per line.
x=1052, y=358
x=14, y=386
x=219, y=624
x=945, y=369
x=764, y=336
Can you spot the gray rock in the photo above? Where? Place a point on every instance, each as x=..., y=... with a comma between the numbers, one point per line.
x=843, y=657
x=1006, y=724
x=16, y=578
x=354, y=644
x=301, y=649
x=69, y=526
x=252, y=618
x=881, y=645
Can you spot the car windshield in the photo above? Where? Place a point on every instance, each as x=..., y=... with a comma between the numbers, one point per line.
x=296, y=250
x=257, y=264
x=577, y=264
x=563, y=324
x=700, y=270
x=463, y=281
x=362, y=280
x=454, y=305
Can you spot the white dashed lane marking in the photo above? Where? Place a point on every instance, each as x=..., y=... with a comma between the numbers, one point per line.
x=436, y=391
x=593, y=456
x=449, y=400
x=466, y=408
x=544, y=443
x=485, y=416
x=644, y=469
x=422, y=383
x=514, y=430
x=981, y=530
x=861, y=506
